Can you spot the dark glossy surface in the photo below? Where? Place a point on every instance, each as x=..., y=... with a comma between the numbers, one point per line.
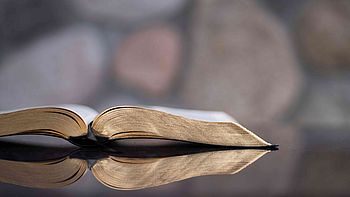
x=309, y=161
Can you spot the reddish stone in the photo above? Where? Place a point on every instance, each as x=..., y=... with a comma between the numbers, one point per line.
x=148, y=60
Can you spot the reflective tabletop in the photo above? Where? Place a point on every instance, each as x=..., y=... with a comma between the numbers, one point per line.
x=308, y=161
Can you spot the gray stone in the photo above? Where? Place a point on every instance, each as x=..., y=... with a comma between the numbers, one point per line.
x=285, y=9
x=323, y=35
x=22, y=21
x=127, y=12
x=242, y=62
x=65, y=67
x=326, y=104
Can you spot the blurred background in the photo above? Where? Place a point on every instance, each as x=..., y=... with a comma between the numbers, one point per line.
x=282, y=67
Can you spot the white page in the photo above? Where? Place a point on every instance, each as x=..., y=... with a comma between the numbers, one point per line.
x=210, y=116
x=86, y=113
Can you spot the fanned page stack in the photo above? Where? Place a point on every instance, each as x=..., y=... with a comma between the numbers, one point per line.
x=82, y=125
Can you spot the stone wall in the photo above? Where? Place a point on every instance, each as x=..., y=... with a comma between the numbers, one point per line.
x=280, y=66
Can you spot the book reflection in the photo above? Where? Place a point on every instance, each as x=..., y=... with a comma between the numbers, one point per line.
x=122, y=168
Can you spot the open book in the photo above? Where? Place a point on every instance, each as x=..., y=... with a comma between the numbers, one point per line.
x=83, y=126
x=118, y=170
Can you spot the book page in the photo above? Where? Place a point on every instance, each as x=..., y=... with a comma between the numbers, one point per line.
x=210, y=116
x=86, y=113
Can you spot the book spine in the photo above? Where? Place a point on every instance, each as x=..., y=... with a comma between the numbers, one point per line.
x=88, y=140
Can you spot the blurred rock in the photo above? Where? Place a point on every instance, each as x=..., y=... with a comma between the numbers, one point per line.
x=148, y=60
x=23, y=20
x=127, y=12
x=285, y=9
x=324, y=35
x=65, y=67
x=277, y=167
x=242, y=62
x=326, y=103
